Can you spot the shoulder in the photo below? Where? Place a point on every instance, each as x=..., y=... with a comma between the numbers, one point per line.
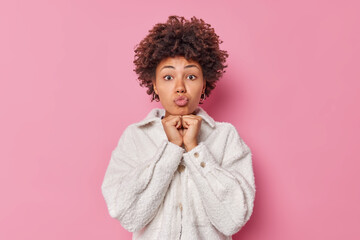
x=127, y=134
x=229, y=130
x=152, y=118
x=225, y=127
x=132, y=129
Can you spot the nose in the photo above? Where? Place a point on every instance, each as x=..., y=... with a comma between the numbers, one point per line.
x=180, y=90
x=180, y=87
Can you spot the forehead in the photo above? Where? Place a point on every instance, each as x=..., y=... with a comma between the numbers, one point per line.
x=177, y=61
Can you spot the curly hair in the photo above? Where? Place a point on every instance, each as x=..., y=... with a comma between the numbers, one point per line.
x=195, y=40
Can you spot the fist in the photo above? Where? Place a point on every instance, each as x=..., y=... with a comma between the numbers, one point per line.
x=182, y=130
x=191, y=124
x=171, y=124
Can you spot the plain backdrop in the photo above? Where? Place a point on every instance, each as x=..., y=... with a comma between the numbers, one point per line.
x=68, y=90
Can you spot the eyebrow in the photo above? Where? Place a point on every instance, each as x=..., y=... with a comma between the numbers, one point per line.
x=188, y=66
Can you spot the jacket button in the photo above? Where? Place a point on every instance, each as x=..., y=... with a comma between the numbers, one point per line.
x=181, y=168
x=202, y=164
x=196, y=154
x=180, y=206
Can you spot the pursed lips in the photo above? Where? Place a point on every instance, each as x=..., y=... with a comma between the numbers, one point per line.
x=181, y=100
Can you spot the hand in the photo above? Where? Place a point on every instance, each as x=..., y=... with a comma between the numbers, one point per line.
x=171, y=125
x=191, y=124
x=182, y=130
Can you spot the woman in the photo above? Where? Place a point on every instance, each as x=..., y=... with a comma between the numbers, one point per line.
x=178, y=173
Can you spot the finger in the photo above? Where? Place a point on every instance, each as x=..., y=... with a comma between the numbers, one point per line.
x=177, y=120
x=192, y=116
x=187, y=118
x=178, y=124
x=185, y=123
x=171, y=120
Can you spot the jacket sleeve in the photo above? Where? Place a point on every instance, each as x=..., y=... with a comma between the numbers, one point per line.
x=227, y=189
x=134, y=188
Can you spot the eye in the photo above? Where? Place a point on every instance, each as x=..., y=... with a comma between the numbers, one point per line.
x=166, y=77
x=193, y=77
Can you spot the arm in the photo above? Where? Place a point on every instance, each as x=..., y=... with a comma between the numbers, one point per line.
x=134, y=188
x=227, y=189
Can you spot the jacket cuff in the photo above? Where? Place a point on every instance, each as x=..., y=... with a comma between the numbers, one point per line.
x=201, y=158
x=170, y=157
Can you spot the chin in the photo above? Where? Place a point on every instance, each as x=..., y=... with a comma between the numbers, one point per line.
x=185, y=110
x=177, y=110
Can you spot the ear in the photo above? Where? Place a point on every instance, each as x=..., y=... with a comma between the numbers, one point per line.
x=203, y=91
x=154, y=86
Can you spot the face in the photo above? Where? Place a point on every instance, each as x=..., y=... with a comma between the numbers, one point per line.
x=179, y=84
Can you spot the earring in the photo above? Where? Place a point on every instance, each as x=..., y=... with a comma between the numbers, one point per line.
x=155, y=97
x=202, y=99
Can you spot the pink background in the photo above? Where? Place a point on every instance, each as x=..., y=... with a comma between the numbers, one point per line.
x=68, y=90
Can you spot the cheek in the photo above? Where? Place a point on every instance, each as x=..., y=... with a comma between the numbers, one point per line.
x=165, y=92
x=164, y=87
x=196, y=90
x=164, y=95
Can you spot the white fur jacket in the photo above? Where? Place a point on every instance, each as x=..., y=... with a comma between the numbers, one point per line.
x=159, y=191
